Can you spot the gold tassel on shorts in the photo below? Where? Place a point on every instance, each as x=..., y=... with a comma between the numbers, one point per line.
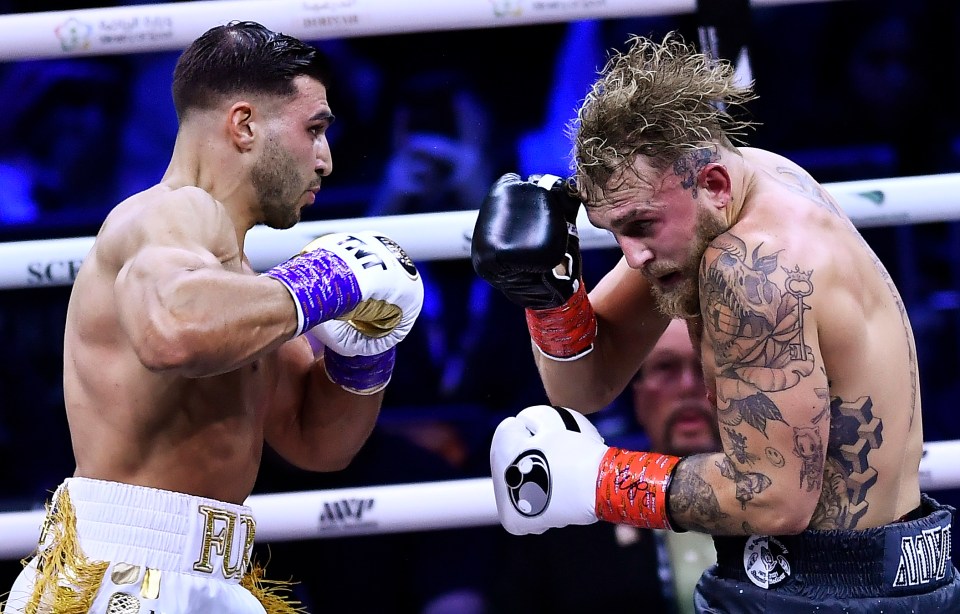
x=67, y=581
x=272, y=594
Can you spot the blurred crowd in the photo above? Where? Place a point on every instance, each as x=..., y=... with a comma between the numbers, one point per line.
x=425, y=123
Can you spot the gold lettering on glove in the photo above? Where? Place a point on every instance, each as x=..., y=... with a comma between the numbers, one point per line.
x=374, y=317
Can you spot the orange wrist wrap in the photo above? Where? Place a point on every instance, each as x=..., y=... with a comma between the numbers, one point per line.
x=567, y=331
x=632, y=488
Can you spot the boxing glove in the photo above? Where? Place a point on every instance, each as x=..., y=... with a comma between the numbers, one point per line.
x=391, y=294
x=525, y=244
x=551, y=468
x=525, y=241
x=359, y=295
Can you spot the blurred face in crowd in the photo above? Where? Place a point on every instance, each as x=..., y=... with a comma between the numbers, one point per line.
x=669, y=397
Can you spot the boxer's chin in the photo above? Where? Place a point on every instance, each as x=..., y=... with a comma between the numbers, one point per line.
x=682, y=300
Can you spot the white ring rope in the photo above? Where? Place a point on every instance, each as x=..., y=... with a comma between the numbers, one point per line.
x=397, y=508
x=439, y=505
x=161, y=27
x=446, y=235
x=403, y=507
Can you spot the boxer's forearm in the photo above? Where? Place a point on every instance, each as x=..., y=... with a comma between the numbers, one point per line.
x=593, y=381
x=313, y=422
x=587, y=384
x=709, y=495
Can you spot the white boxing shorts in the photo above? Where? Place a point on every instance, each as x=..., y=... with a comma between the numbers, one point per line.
x=137, y=550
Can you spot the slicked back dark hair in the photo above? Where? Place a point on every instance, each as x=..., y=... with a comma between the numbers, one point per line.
x=242, y=57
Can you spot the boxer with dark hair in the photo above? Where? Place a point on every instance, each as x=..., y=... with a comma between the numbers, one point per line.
x=181, y=362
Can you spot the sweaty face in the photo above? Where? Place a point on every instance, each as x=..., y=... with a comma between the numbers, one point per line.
x=295, y=153
x=663, y=222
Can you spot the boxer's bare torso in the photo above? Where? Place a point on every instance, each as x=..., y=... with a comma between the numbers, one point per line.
x=807, y=349
x=802, y=249
x=158, y=426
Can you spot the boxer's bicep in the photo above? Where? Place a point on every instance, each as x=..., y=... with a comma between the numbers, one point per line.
x=150, y=294
x=185, y=299
x=772, y=405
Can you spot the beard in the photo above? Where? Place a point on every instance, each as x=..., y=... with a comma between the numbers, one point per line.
x=682, y=300
x=278, y=186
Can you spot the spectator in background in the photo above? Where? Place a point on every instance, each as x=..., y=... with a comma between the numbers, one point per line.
x=58, y=160
x=440, y=137
x=441, y=161
x=359, y=137
x=558, y=571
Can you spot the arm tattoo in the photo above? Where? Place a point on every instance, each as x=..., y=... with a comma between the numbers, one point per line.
x=738, y=442
x=748, y=483
x=758, y=331
x=808, y=446
x=776, y=459
x=693, y=497
x=824, y=395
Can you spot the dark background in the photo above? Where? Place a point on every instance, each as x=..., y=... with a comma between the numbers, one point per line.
x=850, y=89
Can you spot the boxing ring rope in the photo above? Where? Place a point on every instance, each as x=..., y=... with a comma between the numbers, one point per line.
x=160, y=27
x=872, y=202
x=455, y=503
x=400, y=507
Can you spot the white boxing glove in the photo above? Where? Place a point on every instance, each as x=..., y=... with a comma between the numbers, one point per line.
x=544, y=464
x=391, y=294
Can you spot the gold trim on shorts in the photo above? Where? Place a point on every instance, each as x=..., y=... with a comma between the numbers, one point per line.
x=67, y=580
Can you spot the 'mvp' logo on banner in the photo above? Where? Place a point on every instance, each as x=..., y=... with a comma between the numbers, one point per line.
x=345, y=514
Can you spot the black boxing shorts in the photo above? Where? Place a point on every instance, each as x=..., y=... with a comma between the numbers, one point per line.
x=902, y=567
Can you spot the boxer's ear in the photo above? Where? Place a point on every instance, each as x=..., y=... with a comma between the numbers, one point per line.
x=241, y=126
x=714, y=178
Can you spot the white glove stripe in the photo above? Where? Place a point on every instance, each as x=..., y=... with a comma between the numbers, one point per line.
x=546, y=181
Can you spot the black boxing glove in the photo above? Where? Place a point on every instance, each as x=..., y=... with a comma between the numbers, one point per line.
x=525, y=241
x=525, y=244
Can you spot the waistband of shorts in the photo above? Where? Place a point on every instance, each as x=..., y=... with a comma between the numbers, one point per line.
x=161, y=529
x=901, y=558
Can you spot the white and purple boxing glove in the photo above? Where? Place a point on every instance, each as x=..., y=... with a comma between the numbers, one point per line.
x=359, y=294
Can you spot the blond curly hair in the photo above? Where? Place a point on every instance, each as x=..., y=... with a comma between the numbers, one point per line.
x=658, y=100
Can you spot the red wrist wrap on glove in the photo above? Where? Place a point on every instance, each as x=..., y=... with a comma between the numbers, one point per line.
x=632, y=488
x=565, y=332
